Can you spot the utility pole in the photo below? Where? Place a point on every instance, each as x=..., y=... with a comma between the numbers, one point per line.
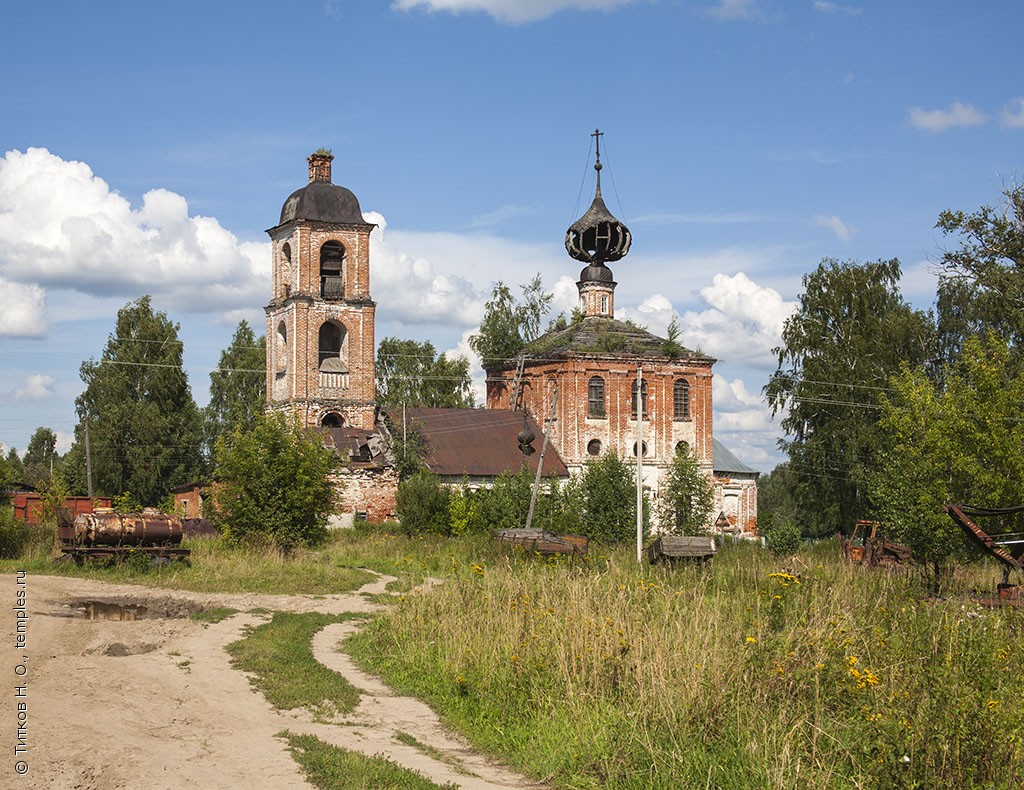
x=540, y=461
x=88, y=459
x=639, y=462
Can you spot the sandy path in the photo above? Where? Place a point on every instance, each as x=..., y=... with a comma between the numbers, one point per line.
x=154, y=703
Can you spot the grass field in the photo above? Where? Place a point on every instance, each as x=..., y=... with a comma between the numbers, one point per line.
x=752, y=671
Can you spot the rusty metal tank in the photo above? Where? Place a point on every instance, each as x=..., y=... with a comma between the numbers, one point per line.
x=104, y=527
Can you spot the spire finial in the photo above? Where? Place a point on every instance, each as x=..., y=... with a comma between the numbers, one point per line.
x=597, y=162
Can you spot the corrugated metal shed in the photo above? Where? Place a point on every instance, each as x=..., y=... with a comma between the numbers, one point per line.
x=725, y=461
x=476, y=442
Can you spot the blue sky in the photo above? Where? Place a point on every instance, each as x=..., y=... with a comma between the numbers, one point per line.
x=146, y=148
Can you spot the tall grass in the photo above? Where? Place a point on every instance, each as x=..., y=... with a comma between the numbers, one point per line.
x=741, y=674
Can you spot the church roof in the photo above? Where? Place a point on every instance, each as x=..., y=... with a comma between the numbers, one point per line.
x=322, y=201
x=476, y=442
x=725, y=461
x=607, y=337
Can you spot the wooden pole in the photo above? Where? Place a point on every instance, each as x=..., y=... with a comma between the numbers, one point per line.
x=639, y=462
x=540, y=461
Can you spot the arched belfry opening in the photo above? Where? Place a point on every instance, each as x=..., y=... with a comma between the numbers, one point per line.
x=333, y=348
x=332, y=270
x=332, y=420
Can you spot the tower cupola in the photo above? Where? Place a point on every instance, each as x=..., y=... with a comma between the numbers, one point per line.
x=597, y=238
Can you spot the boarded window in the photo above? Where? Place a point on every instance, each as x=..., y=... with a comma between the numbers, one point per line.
x=681, y=400
x=643, y=396
x=595, y=397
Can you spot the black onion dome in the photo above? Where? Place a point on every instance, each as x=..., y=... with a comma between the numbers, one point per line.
x=597, y=237
x=322, y=201
x=596, y=273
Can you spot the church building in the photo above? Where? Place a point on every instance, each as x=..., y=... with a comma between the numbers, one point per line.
x=608, y=385
x=599, y=384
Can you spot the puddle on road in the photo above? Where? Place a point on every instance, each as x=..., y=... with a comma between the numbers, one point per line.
x=101, y=610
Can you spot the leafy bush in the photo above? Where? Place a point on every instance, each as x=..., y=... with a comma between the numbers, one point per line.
x=688, y=499
x=423, y=505
x=782, y=539
x=608, y=493
x=13, y=534
x=273, y=484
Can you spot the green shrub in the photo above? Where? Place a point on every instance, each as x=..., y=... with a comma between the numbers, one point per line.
x=13, y=534
x=273, y=484
x=782, y=539
x=423, y=505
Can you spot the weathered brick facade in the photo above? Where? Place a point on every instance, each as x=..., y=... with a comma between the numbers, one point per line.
x=320, y=320
x=370, y=492
x=580, y=433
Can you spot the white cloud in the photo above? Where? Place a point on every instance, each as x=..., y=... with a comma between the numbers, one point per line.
x=511, y=11
x=827, y=7
x=498, y=216
x=24, y=310
x=411, y=291
x=476, y=372
x=956, y=116
x=655, y=312
x=62, y=227
x=566, y=296
x=1012, y=116
x=733, y=10
x=742, y=323
x=843, y=232
x=37, y=386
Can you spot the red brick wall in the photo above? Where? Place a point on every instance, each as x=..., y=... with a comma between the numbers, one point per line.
x=574, y=429
x=371, y=491
x=736, y=497
x=293, y=375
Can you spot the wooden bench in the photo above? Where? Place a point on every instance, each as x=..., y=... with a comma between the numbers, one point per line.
x=673, y=548
x=543, y=542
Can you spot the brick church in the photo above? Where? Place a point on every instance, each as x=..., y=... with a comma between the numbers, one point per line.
x=608, y=384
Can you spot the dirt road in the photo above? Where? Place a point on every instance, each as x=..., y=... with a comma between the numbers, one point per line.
x=155, y=703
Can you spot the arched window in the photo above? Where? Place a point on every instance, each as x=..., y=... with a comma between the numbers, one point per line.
x=643, y=395
x=332, y=270
x=333, y=348
x=644, y=448
x=286, y=270
x=594, y=447
x=281, y=351
x=682, y=448
x=681, y=400
x=595, y=398
x=332, y=420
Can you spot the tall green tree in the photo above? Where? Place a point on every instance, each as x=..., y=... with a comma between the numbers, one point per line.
x=953, y=442
x=687, y=500
x=775, y=502
x=608, y=488
x=40, y=457
x=509, y=324
x=412, y=374
x=982, y=282
x=145, y=429
x=238, y=387
x=851, y=332
x=15, y=467
x=273, y=484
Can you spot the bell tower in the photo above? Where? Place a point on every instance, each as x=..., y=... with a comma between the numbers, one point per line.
x=320, y=319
